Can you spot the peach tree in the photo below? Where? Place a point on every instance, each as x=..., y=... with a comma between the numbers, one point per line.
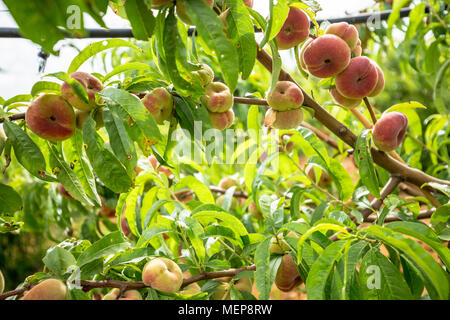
x=203, y=162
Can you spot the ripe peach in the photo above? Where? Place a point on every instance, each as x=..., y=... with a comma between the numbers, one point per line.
x=380, y=83
x=51, y=117
x=217, y=97
x=285, y=96
x=50, y=289
x=223, y=120
x=205, y=74
x=191, y=289
x=326, y=56
x=287, y=277
x=227, y=182
x=302, y=54
x=390, y=130
x=2, y=282
x=357, y=51
x=162, y=274
x=159, y=103
x=295, y=29
x=283, y=119
x=345, y=31
x=90, y=83
x=182, y=13
x=358, y=80
x=343, y=101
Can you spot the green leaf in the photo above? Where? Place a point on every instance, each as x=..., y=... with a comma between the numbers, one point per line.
x=96, y=47
x=58, y=260
x=210, y=28
x=136, y=111
x=27, y=152
x=435, y=278
x=141, y=19
x=203, y=193
x=45, y=87
x=106, y=165
x=110, y=244
x=263, y=278
x=437, y=94
x=321, y=270
x=67, y=177
x=278, y=14
x=364, y=161
x=381, y=280
x=132, y=66
x=10, y=200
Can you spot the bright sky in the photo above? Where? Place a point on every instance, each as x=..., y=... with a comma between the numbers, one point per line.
x=19, y=62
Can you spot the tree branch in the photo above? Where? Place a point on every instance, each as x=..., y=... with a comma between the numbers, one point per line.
x=17, y=116
x=423, y=215
x=393, y=166
x=390, y=186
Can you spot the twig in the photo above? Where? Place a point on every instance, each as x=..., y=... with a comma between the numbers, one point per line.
x=372, y=113
x=251, y=101
x=237, y=194
x=423, y=215
x=390, y=186
x=322, y=135
x=88, y=285
x=17, y=116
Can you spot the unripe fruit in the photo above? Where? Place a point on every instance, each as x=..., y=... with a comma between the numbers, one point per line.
x=90, y=83
x=222, y=291
x=191, y=289
x=283, y=119
x=233, y=205
x=81, y=117
x=343, y=101
x=389, y=131
x=159, y=103
x=2, y=140
x=380, y=83
x=345, y=31
x=275, y=246
x=254, y=211
x=222, y=121
x=112, y=295
x=217, y=97
x=182, y=13
x=162, y=274
x=50, y=289
x=287, y=277
x=244, y=284
x=51, y=117
x=358, y=80
x=205, y=75
x=2, y=282
x=325, y=179
x=227, y=183
x=295, y=29
x=127, y=295
x=285, y=96
x=326, y=56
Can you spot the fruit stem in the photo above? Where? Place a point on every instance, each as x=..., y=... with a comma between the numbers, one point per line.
x=372, y=113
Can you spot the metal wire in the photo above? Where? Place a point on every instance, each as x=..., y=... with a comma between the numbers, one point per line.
x=127, y=33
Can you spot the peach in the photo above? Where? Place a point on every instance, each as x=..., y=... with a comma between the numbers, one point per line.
x=83, y=115
x=51, y=117
x=127, y=295
x=254, y=211
x=227, y=182
x=162, y=274
x=222, y=121
x=285, y=96
x=92, y=86
x=50, y=289
x=380, y=83
x=244, y=284
x=345, y=31
x=295, y=29
x=191, y=289
x=287, y=277
x=279, y=246
x=155, y=164
x=159, y=103
x=217, y=98
x=302, y=53
x=286, y=146
x=325, y=179
x=357, y=51
x=343, y=101
x=390, y=130
x=2, y=282
x=182, y=13
x=222, y=291
x=205, y=74
x=283, y=119
x=358, y=80
x=219, y=202
x=326, y=56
